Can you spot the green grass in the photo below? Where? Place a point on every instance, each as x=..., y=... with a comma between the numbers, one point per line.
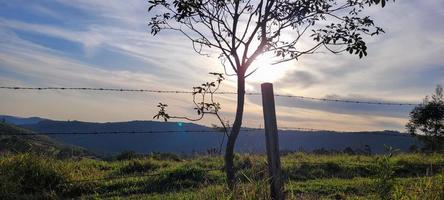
x=307, y=176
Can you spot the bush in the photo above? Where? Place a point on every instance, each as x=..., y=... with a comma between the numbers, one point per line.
x=425, y=188
x=243, y=162
x=385, y=179
x=25, y=176
x=128, y=155
x=180, y=178
x=251, y=169
x=139, y=166
x=165, y=156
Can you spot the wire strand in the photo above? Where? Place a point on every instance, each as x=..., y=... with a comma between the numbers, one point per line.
x=118, y=132
x=246, y=129
x=221, y=93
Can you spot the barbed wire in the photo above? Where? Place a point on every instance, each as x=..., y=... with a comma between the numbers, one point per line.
x=287, y=128
x=387, y=133
x=245, y=129
x=347, y=101
x=303, y=129
x=95, y=89
x=221, y=93
x=113, y=132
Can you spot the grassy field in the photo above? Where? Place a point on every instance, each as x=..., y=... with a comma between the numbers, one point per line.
x=157, y=176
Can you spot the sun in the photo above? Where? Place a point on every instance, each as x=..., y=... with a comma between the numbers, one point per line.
x=267, y=71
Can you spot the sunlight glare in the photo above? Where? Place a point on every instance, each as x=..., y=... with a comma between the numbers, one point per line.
x=266, y=70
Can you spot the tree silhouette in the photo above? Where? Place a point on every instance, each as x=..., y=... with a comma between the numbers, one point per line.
x=427, y=121
x=241, y=30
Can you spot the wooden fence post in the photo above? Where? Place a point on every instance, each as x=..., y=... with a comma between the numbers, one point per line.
x=272, y=142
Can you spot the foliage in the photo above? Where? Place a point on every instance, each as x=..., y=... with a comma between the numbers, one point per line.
x=203, y=99
x=385, y=181
x=30, y=176
x=431, y=188
x=139, y=166
x=180, y=177
x=204, y=104
x=128, y=155
x=164, y=156
x=428, y=119
x=232, y=26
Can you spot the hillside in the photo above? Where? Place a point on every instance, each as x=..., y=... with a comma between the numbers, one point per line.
x=184, y=141
x=14, y=139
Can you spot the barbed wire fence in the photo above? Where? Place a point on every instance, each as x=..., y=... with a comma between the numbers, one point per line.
x=214, y=130
x=126, y=90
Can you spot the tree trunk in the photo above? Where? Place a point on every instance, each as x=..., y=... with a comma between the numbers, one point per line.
x=229, y=151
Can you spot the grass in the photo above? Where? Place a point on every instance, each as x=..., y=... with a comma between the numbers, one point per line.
x=307, y=176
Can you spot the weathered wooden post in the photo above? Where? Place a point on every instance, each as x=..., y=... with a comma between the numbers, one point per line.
x=272, y=142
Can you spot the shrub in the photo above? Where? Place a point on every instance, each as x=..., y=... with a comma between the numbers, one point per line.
x=179, y=178
x=243, y=162
x=385, y=179
x=24, y=176
x=166, y=156
x=128, y=155
x=431, y=188
x=139, y=166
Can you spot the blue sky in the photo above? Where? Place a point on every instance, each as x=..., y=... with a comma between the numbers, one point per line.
x=92, y=43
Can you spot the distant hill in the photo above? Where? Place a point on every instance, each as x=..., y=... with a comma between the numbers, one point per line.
x=186, y=142
x=179, y=142
x=14, y=139
x=20, y=120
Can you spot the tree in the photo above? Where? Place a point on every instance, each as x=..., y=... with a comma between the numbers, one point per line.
x=427, y=121
x=204, y=103
x=242, y=30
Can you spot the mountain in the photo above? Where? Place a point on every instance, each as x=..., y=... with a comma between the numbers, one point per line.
x=20, y=120
x=14, y=139
x=179, y=142
x=183, y=140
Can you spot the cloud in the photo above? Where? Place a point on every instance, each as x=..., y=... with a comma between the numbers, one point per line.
x=45, y=66
x=404, y=64
x=341, y=107
x=33, y=65
x=298, y=79
x=89, y=40
x=133, y=44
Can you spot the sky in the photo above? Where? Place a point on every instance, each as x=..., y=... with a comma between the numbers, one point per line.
x=107, y=43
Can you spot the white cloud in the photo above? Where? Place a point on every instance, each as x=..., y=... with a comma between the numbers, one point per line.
x=404, y=64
